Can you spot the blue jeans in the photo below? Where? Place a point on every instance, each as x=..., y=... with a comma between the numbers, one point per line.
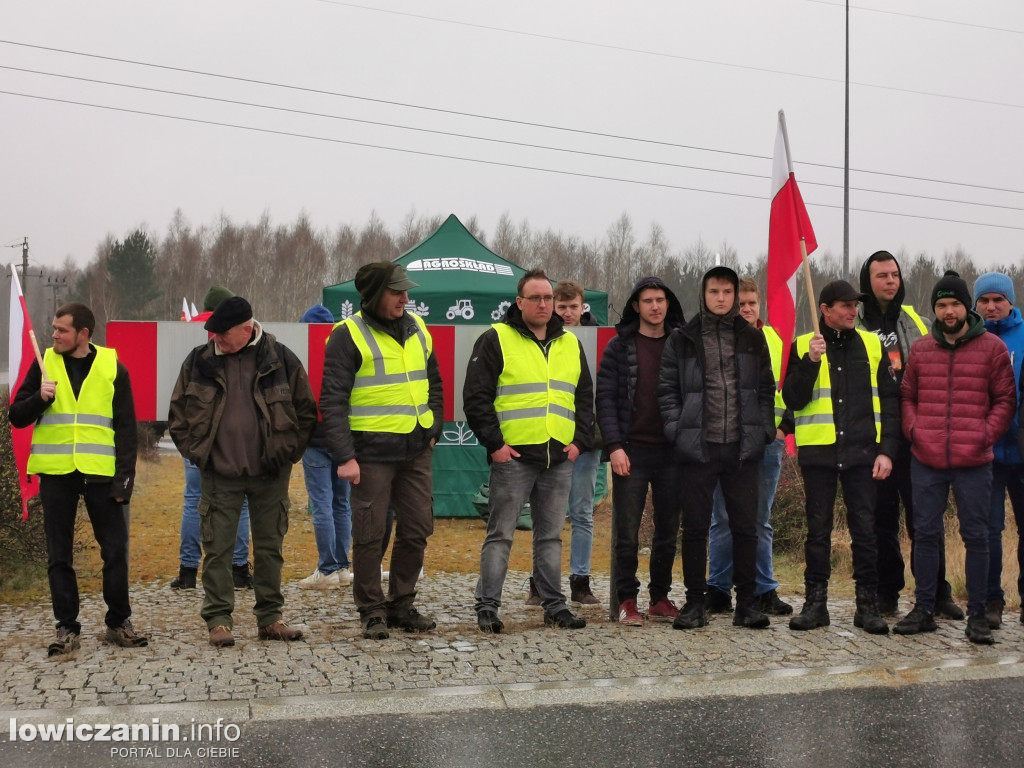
x=972, y=489
x=190, y=552
x=581, y=511
x=720, y=545
x=1006, y=478
x=332, y=514
x=511, y=484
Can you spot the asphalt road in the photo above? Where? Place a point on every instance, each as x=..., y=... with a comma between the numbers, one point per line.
x=933, y=725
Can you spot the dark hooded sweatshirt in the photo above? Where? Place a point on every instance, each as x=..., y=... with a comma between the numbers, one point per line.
x=895, y=328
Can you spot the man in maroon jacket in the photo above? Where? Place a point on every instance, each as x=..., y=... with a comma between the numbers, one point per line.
x=958, y=399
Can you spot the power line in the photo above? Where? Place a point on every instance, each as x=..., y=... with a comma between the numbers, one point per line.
x=922, y=18
x=422, y=153
x=505, y=120
x=528, y=145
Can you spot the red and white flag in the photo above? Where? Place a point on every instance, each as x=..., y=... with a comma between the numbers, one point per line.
x=186, y=316
x=21, y=354
x=788, y=226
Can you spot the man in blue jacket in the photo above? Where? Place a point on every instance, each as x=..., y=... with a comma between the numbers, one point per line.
x=994, y=299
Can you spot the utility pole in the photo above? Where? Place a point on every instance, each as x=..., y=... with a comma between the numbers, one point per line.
x=24, y=262
x=846, y=158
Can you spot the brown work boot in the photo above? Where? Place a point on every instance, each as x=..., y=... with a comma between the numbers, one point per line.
x=580, y=594
x=533, y=599
x=221, y=637
x=279, y=631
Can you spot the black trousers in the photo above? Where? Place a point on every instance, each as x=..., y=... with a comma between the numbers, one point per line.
x=60, y=494
x=859, y=493
x=739, y=481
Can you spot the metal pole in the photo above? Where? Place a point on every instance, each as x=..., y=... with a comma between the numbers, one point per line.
x=846, y=158
x=24, y=264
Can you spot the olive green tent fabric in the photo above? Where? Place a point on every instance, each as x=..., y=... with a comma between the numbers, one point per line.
x=461, y=282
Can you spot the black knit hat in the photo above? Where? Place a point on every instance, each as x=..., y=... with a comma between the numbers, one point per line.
x=951, y=286
x=228, y=314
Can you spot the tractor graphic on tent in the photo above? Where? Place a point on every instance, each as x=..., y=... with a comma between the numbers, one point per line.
x=462, y=308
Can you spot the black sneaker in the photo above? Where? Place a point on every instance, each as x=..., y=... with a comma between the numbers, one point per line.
x=488, y=621
x=67, y=641
x=918, y=620
x=717, y=601
x=692, y=616
x=375, y=628
x=770, y=604
x=411, y=620
x=186, y=578
x=979, y=630
x=242, y=576
x=126, y=636
x=948, y=609
x=994, y=613
x=750, y=617
x=564, y=620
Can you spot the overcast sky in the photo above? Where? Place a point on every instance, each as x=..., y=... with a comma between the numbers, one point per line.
x=937, y=93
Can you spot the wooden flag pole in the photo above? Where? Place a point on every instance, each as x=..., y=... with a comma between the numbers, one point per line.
x=810, y=286
x=39, y=355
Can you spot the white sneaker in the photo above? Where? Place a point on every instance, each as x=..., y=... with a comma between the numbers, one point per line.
x=320, y=580
x=344, y=577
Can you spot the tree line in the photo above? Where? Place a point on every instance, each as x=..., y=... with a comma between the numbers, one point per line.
x=282, y=268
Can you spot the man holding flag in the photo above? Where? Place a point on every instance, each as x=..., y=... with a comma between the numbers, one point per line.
x=79, y=399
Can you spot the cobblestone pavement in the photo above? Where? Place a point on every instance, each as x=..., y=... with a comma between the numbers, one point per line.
x=179, y=667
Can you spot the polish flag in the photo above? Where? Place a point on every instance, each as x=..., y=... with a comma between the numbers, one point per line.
x=788, y=228
x=21, y=352
x=186, y=316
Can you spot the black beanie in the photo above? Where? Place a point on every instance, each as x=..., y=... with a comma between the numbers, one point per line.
x=951, y=286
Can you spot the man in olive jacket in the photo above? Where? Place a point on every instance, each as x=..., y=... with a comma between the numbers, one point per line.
x=242, y=411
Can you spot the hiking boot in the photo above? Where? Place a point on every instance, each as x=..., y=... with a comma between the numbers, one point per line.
x=629, y=614
x=888, y=605
x=918, y=620
x=320, y=580
x=221, y=637
x=242, y=576
x=692, y=616
x=979, y=629
x=948, y=609
x=375, y=628
x=488, y=621
x=580, y=594
x=770, y=604
x=749, y=615
x=814, y=614
x=994, y=614
x=564, y=620
x=186, y=578
x=533, y=599
x=866, y=616
x=67, y=641
x=717, y=601
x=663, y=610
x=279, y=631
x=410, y=620
x=126, y=636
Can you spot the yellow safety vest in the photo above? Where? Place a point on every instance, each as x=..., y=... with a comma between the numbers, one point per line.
x=77, y=434
x=391, y=392
x=775, y=351
x=536, y=395
x=912, y=314
x=815, y=423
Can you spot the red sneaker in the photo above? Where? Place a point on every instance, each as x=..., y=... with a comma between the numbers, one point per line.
x=663, y=610
x=629, y=615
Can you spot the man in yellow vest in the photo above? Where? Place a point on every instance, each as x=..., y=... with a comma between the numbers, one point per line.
x=846, y=412
x=897, y=326
x=242, y=410
x=383, y=410
x=83, y=445
x=529, y=399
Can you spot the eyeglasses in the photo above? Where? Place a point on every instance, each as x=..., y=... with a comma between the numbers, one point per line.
x=549, y=299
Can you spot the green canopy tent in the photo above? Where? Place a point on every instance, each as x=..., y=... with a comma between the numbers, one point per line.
x=461, y=282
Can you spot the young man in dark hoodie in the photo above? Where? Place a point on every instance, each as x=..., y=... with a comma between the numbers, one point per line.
x=528, y=398
x=897, y=326
x=716, y=393
x=635, y=444
x=383, y=409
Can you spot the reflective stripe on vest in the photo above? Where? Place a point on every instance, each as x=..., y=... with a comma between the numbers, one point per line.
x=815, y=423
x=536, y=395
x=775, y=351
x=77, y=434
x=391, y=392
x=912, y=314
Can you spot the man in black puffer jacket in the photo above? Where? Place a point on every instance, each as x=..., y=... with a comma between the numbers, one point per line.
x=716, y=392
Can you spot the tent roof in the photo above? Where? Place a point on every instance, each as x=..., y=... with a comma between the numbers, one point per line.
x=452, y=242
